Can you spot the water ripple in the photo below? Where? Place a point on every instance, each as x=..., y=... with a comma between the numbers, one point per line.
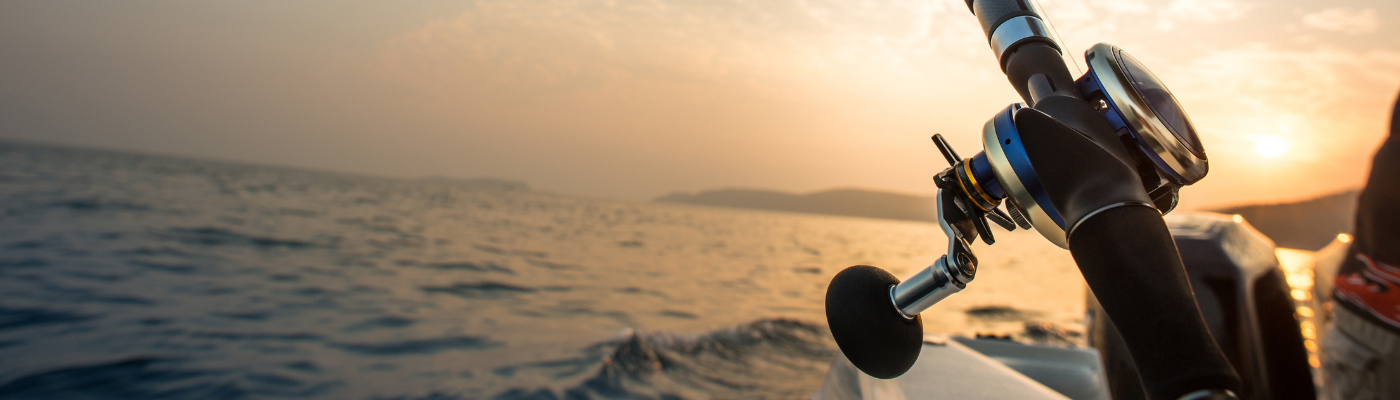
x=14, y=318
x=479, y=290
x=240, y=281
x=134, y=378
x=422, y=346
x=212, y=236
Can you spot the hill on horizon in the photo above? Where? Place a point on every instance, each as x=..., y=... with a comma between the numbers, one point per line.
x=481, y=183
x=844, y=202
x=1308, y=224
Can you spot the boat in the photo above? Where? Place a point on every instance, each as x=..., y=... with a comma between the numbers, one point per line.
x=1241, y=287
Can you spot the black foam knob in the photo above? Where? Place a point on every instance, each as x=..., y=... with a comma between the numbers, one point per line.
x=867, y=328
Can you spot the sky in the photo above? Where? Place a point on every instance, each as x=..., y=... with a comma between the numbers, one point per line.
x=636, y=99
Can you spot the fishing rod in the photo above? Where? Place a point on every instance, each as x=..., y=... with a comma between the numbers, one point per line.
x=1091, y=163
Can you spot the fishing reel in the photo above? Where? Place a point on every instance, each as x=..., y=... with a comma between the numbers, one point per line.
x=1148, y=120
x=875, y=317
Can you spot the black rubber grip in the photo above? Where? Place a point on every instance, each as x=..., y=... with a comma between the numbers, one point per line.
x=1078, y=174
x=1131, y=264
x=1125, y=251
x=991, y=13
x=1024, y=62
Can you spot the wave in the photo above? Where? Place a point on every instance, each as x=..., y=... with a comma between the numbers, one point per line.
x=1000, y=313
x=423, y=346
x=210, y=236
x=146, y=377
x=764, y=359
x=263, y=282
x=479, y=289
x=31, y=262
x=14, y=318
x=457, y=265
x=97, y=204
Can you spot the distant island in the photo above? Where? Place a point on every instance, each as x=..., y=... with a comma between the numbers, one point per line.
x=845, y=202
x=1308, y=224
x=481, y=183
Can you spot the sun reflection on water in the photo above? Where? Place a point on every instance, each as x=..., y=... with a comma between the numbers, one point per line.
x=1297, y=266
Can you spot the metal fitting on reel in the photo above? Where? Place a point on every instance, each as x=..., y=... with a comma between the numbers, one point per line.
x=950, y=274
x=976, y=192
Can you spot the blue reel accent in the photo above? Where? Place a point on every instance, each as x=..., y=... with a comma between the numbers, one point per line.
x=986, y=178
x=1089, y=84
x=1091, y=87
x=1015, y=152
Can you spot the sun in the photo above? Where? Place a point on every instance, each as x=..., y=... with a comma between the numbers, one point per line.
x=1271, y=146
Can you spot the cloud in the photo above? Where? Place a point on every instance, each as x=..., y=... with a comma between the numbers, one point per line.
x=1332, y=104
x=683, y=83
x=726, y=66
x=1316, y=92
x=1084, y=22
x=557, y=43
x=1347, y=20
x=1205, y=11
x=767, y=93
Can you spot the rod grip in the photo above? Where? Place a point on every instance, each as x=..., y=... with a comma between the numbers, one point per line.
x=1131, y=264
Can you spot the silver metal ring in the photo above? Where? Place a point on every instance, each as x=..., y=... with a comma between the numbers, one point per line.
x=926, y=288
x=1017, y=30
x=1209, y=394
x=1106, y=63
x=1016, y=192
x=894, y=300
x=1070, y=232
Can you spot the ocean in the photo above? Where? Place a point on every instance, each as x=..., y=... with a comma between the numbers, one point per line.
x=126, y=276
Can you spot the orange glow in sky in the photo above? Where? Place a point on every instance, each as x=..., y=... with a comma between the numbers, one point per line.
x=635, y=99
x=1271, y=146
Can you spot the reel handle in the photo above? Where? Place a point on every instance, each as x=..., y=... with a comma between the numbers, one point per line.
x=950, y=274
x=875, y=318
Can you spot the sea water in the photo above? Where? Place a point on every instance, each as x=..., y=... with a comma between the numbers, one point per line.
x=128, y=276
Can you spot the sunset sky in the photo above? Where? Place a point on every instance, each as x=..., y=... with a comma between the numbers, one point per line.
x=634, y=99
